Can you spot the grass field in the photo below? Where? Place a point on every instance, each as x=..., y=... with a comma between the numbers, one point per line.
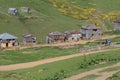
x=63, y=68
x=48, y=18
x=28, y=55
x=90, y=77
x=115, y=77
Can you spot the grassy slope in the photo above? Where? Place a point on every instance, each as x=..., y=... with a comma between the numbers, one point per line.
x=101, y=5
x=49, y=18
x=70, y=66
x=28, y=55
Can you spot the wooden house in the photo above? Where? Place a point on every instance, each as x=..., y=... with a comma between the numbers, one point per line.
x=25, y=9
x=91, y=32
x=29, y=39
x=54, y=37
x=8, y=40
x=12, y=11
x=117, y=25
x=72, y=36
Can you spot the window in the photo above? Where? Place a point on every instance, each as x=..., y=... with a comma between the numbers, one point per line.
x=94, y=29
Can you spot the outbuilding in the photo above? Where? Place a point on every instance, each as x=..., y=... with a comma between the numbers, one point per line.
x=91, y=32
x=8, y=40
x=29, y=39
x=13, y=11
x=72, y=36
x=117, y=25
x=54, y=37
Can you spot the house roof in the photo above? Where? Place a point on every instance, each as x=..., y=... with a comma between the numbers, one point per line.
x=90, y=26
x=7, y=36
x=55, y=33
x=72, y=32
x=12, y=9
x=28, y=35
x=25, y=8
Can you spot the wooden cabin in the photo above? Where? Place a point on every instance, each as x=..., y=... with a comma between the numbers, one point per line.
x=72, y=36
x=8, y=40
x=53, y=37
x=91, y=32
x=117, y=25
x=29, y=39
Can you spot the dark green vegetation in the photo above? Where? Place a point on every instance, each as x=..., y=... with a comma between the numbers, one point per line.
x=44, y=18
x=28, y=55
x=115, y=77
x=61, y=69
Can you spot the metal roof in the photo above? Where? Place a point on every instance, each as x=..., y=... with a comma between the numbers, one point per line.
x=12, y=8
x=90, y=26
x=55, y=33
x=7, y=36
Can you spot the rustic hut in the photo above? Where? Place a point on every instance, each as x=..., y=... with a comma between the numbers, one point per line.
x=29, y=39
x=25, y=9
x=117, y=25
x=72, y=36
x=54, y=37
x=91, y=31
x=8, y=40
x=12, y=11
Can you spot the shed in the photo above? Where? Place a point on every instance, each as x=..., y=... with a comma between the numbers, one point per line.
x=13, y=11
x=54, y=37
x=25, y=9
x=91, y=32
x=117, y=25
x=8, y=40
x=29, y=39
x=72, y=36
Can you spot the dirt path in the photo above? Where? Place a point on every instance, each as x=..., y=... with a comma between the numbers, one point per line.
x=95, y=71
x=79, y=42
x=106, y=75
x=36, y=63
x=64, y=43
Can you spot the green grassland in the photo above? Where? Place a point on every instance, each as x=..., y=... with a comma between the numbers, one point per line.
x=65, y=68
x=102, y=5
x=115, y=77
x=110, y=69
x=44, y=18
x=90, y=77
x=31, y=54
x=28, y=55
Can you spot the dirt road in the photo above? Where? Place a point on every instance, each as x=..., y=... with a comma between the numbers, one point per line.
x=104, y=76
x=64, y=43
x=36, y=63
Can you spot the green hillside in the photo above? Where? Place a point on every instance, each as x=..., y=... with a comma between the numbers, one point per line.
x=44, y=17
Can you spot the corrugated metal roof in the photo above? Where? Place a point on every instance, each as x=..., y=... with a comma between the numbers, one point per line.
x=7, y=36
